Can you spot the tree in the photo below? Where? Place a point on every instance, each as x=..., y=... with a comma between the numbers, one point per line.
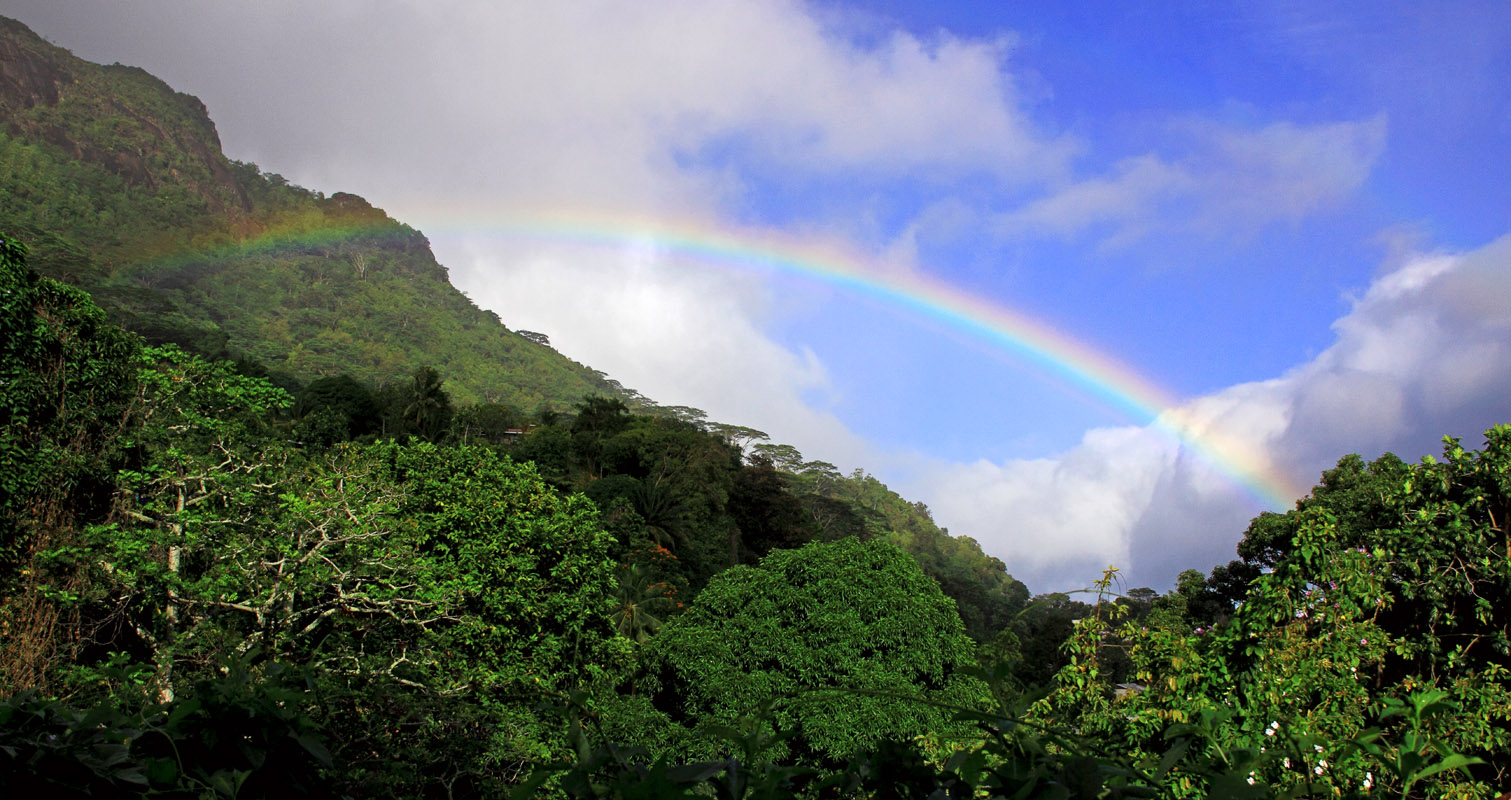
x=429, y=407
x=988, y=598
x=842, y=634
x=203, y=485
x=538, y=338
x=487, y=422
x=1354, y=492
x=522, y=577
x=66, y=379
x=768, y=516
x=438, y=594
x=662, y=511
x=688, y=414
x=685, y=476
x=784, y=457
x=349, y=403
x=737, y=435
x=1041, y=632
x=640, y=603
x=1388, y=605
x=598, y=419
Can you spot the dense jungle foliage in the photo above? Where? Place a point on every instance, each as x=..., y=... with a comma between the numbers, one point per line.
x=282, y=514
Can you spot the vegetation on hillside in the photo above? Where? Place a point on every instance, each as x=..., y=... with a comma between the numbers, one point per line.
x=119, y=185
x=200, y=599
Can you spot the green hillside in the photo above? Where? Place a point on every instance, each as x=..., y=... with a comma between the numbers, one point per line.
x=118, y=185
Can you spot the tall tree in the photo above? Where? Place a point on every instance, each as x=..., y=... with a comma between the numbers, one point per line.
x=204, y=484
x=768, y=516
x=345, y=401
x=598, y=419
x=427, y=408
x=66, y=378
x=842, y=634
x=640, y=603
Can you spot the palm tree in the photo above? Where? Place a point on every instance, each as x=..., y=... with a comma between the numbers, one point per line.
x=429, y=408
x=663, y=512
x=637, y=601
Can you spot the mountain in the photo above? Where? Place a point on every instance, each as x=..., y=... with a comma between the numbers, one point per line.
x=118, y=185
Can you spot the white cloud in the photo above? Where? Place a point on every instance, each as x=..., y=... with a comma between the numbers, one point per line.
x=944, y=221
x=1127, y=200
x=1420, y=355
x=679, y=335
x=1283, y=171
x=1233, y=181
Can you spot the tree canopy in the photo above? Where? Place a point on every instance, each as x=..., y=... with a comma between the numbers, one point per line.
x=851, y=633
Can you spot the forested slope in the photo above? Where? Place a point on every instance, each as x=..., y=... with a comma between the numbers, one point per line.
x=118, y=185
x=195, y=603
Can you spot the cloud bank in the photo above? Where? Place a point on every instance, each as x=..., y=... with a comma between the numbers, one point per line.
x=1421, y=354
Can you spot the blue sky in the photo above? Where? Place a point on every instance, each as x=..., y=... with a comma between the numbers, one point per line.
x=1289, y=215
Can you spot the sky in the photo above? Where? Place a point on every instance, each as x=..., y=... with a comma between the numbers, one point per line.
x=1097, y=282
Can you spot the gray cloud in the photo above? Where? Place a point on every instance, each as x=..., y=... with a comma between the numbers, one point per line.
x=601, y=102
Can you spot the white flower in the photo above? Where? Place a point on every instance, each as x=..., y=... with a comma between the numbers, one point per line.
x=1317, y=747
x=1369, y=781
x=1287, y=763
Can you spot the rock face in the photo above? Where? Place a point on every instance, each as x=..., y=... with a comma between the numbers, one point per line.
x=157, y=137
x=26, y=78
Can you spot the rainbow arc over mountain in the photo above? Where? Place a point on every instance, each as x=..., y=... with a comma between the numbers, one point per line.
x=1019, y=334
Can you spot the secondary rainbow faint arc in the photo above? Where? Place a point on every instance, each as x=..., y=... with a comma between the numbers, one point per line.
x=1019, y=333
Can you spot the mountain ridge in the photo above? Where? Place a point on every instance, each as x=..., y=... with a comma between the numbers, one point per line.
x=119, y=185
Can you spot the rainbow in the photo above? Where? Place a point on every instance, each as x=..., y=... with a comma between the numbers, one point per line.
x=1031, y=340
x=1019, y=334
